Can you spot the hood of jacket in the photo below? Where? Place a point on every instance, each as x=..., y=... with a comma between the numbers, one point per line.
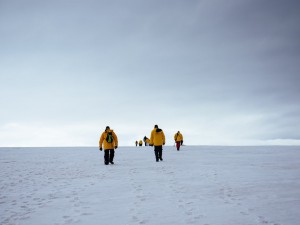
x=158, y=130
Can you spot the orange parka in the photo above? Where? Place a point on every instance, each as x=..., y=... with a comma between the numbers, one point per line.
x=105, y=143
x=157, y=137
x=178, y=137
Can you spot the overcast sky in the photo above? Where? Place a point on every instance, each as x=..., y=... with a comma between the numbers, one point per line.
x=221, y=72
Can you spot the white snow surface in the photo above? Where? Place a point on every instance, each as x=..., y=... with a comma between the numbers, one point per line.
x=205, y=185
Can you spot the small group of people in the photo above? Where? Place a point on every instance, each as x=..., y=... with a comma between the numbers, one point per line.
x=139, y=143
x=109, y=141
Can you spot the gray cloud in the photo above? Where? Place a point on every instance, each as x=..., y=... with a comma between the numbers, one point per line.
x=173, y=60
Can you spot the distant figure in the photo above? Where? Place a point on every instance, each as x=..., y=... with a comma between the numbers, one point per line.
x=110, y=141
x=178, y=139
x=147, y=141
x=140, y=143
x=136, y=143
x=158, y=140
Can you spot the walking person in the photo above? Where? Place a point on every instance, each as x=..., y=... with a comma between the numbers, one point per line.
x=147, y=141
x=178, y=139
x=157, y=139
x=109, y=140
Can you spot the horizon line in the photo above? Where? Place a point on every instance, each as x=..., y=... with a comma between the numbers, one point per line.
x=214, y=145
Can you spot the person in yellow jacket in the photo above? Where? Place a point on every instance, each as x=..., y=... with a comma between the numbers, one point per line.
x=157, y=139
x=140, y=143
x=178, y=139
x=109, y=140
x=147, y=141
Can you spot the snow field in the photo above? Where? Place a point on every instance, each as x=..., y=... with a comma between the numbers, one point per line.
x=203, y=185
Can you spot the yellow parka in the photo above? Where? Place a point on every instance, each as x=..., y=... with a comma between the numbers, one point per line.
x=105, y=143
x=178, y=136
x=140, y=142
x=157, y=137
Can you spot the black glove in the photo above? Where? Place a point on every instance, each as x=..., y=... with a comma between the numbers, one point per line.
x=181, y=143
x=100, y=149
x=116, y=147
x=164, y=143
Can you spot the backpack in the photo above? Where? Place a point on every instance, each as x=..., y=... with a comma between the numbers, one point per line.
x=109, y=137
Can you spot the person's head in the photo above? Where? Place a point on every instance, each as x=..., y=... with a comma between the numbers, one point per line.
x=107, y=128
x=155, y=126
x=178, y=132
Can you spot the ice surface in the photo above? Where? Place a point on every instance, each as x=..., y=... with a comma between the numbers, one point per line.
x=197, y=185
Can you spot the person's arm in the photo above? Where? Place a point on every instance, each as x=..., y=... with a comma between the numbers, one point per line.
x=115, y=139
x=101, y=141
x=151, y=138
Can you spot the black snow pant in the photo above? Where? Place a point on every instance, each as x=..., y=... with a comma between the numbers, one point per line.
x=158, y=152
x=109, y=155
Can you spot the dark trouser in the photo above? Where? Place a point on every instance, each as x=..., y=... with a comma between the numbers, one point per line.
x=109, y=155
x=178, y=143
x=158, y=152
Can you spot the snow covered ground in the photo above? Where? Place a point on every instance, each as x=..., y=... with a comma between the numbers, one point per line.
x=202, y=185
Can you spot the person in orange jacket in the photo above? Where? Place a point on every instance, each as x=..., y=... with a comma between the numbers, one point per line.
x=157, y=139
x=109, y=140
x=178, y=139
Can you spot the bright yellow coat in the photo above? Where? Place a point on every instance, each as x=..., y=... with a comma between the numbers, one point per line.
x=157, y=138
x=178, y=137
x=147, y=140
x=105, y=143
x=140, y=142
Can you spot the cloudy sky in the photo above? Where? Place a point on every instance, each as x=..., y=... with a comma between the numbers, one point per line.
x=221, y=72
